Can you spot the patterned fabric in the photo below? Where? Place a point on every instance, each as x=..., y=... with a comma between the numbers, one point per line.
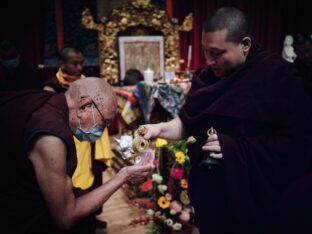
x=128, y=105
x=143, y=93
x=170, y=96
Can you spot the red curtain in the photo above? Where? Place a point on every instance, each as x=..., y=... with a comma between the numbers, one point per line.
x=271, y=21
x=22, y=22
x=59, y=25
x=169, y=7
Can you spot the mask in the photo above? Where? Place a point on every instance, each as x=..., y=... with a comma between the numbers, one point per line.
x=10, y=63
x=91, y=136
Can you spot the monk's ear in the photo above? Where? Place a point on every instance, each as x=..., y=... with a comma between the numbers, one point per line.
x=246, y=44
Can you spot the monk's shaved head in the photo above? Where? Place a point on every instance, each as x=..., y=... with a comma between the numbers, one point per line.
x=98, y=89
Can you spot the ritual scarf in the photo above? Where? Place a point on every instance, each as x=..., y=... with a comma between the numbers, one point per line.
x=65, y=79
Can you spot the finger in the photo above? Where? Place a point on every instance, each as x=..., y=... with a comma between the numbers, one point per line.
x=148, y=135
x=142, y=175
x=147, y=158
x=138, y=132
x=150, y=156
x=213, y=137
x=212, y=143
x=216, y=156
x=215, y=148
x=144, y=168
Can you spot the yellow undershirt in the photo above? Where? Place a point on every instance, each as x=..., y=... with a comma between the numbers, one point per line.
x=83, y=177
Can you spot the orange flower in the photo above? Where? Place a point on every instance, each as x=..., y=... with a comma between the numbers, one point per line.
x=184, y=184
x=163, y=203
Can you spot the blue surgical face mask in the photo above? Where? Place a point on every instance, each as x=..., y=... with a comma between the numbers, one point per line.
x=10, y=63
x=91, y=136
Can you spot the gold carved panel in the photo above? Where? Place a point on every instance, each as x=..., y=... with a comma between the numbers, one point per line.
x=133, y=14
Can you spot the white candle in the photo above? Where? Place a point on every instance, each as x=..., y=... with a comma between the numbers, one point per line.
x=189, y=56
x=149, y=76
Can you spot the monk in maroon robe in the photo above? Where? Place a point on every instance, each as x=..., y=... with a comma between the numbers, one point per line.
x=263, y=141
x=38, y=157
x=71, y=65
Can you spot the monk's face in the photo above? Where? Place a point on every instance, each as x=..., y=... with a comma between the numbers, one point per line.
x=73, y=65
x=304, y=53
x=91, y=113
x=224, y=56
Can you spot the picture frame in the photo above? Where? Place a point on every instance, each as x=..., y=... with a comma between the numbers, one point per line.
x=142, y=53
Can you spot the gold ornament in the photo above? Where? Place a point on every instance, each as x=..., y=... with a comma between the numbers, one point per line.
x=140, y=145
x=132, y=15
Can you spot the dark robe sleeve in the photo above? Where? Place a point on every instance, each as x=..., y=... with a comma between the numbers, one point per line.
x=258, y=169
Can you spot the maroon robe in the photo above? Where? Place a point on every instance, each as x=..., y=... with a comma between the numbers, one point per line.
x=53, y=83
x=98, y=167
x=263, y=117
x=25, y=116
x=303, y=70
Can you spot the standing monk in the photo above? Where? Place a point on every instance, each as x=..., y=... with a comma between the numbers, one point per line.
x=262, y=116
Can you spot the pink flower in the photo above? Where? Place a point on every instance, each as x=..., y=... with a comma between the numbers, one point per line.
x=176, y=173
x=184, y=216
x=155, y=163
x=175, y=207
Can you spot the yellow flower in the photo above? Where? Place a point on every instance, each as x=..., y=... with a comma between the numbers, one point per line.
x=180, y=157
x=161, y=142
x=163, y=203
x=184, y=184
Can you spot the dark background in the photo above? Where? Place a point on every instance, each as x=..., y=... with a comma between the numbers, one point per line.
x=31, y=25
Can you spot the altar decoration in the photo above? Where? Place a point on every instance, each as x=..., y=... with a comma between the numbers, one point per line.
x=168, y=207
x=136, y=13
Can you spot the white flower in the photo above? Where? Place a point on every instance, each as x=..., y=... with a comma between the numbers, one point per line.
x=177, y=226
x=157, y=178
x=162, y=188
x=150, y=212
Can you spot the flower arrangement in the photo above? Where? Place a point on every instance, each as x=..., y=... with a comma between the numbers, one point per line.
x=170, y=209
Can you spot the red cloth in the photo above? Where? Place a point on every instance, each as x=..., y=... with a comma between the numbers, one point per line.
x=262, y=114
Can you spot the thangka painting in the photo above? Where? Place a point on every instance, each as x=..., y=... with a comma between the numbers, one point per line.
x=141, y=52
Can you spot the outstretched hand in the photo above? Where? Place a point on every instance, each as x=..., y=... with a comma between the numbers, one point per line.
x=147, y=158
x=142, y=169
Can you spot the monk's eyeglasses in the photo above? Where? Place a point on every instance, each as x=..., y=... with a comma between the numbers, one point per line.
x=107, y=122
